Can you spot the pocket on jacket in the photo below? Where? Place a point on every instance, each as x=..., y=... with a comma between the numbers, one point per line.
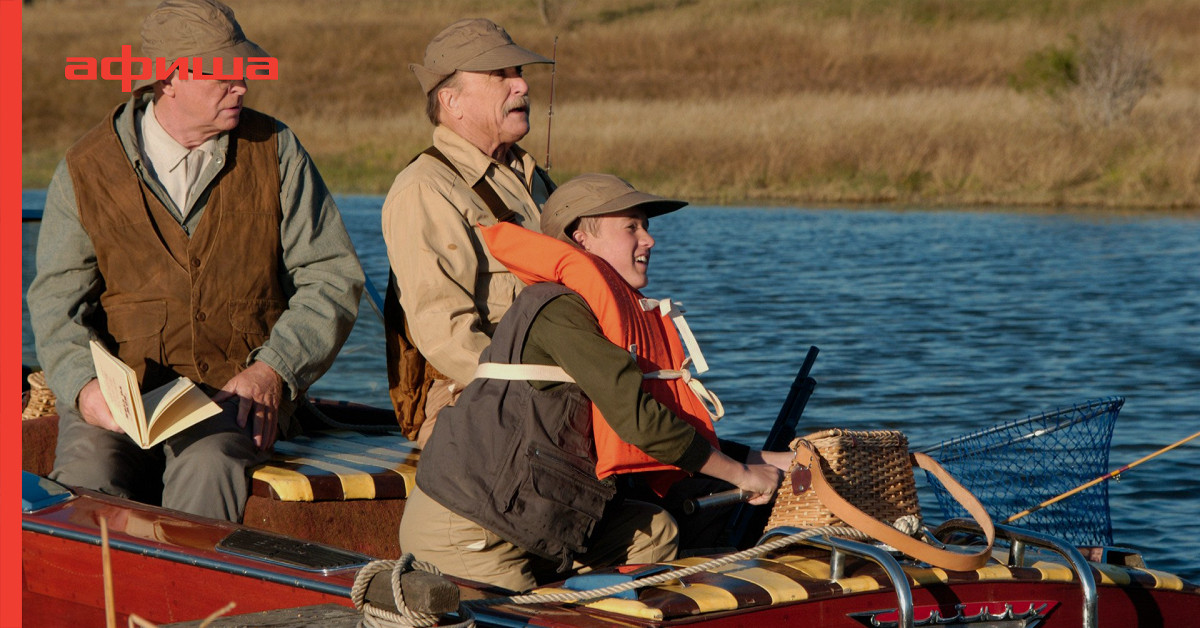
x=562, y=482
x=137, y=329
x=573, y=499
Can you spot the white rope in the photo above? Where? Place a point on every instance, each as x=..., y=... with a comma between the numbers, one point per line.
x=374, y=617
x=908, y=524
x=712, y=403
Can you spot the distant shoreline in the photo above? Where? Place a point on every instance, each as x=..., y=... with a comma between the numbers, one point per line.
x=864, y=103
x=700, y=203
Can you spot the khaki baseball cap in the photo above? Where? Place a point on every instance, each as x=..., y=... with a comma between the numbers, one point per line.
x=475, y=45
x=597, y=194
x=196, y=28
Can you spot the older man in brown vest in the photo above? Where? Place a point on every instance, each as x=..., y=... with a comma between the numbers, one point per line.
x=453, y=293
x=194, y=237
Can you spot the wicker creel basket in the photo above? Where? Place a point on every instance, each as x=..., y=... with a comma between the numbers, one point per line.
x=864, y=480
x=40, y=400
x=869, y=468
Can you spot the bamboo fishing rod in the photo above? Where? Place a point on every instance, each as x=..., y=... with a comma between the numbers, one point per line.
x=550, y=109
x=1106, y=476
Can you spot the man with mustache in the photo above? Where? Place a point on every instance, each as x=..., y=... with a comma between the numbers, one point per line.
x=194, y=237
x=447, y=293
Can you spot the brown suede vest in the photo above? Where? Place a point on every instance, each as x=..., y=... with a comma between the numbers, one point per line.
x=173, y=305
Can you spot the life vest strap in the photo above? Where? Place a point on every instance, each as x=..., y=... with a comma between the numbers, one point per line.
x=534, y=372
x=712, y=403
x=548, y=373
x=673, y=310
x=667, y=309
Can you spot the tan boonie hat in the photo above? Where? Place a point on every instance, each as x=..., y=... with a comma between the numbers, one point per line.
x=595, y=195
x=474, y=45
x=195, y=28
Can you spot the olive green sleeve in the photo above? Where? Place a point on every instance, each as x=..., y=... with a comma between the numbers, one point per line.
x=565, y=333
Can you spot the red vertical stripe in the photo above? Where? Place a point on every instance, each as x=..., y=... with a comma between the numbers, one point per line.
x=10, y=318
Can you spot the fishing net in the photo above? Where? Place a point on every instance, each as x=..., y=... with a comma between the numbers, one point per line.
x=1019, y=464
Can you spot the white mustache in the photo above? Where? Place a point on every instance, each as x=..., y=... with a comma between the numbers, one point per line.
x=523, y=101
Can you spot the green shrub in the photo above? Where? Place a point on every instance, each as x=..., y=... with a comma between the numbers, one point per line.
x=1051, y=70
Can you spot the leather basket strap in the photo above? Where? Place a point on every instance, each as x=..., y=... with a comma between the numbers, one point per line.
x=861, y=521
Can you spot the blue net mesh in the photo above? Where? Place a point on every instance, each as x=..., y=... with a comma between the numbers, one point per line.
x=1019, y=464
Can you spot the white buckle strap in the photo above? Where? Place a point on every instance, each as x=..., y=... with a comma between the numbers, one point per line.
x=547, y=373
x=712, y=403
x=674, y=311
x=667, y=308
x=532, y=372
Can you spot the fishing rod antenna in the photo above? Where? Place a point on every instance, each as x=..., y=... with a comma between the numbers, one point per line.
x=550, y=109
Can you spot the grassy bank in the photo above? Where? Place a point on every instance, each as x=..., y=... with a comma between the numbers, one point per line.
x=939, y=102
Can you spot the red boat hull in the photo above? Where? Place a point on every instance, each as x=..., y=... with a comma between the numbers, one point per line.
x=165, y=568
x=55, y=594
x=1062, y=601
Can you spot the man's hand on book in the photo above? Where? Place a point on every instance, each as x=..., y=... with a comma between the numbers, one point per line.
x=94, y=409
x=258, y=389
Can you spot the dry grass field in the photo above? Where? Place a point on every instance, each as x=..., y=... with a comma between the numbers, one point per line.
x=929, y=102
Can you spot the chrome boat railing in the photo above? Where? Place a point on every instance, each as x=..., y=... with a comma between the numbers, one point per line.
x=839, y=548
x=1020, y=540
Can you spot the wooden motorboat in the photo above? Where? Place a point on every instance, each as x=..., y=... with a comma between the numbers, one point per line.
x=170, y=567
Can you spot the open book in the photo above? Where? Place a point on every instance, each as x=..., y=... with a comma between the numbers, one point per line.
x=171, y=408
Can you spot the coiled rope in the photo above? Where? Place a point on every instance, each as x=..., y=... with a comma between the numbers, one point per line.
x=374, y=617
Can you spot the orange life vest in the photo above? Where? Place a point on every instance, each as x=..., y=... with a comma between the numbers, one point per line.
x=650, y=335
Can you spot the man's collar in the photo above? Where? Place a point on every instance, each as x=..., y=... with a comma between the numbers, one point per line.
x=471, y=161
x=158, y=145
x=129, y=119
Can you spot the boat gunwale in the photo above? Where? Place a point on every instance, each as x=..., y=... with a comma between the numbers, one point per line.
x=52, y=522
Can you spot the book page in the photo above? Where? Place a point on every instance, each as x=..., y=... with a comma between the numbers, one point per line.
x=157, y=401
x=118, y=386
x=175, y=407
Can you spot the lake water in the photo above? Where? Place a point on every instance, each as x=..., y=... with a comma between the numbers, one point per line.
x=937, y=323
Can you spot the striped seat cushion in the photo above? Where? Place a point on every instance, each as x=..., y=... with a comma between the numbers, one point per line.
x=787, y=578
x=336, y=466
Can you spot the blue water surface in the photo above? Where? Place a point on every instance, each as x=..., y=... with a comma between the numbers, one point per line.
x=937, y=323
